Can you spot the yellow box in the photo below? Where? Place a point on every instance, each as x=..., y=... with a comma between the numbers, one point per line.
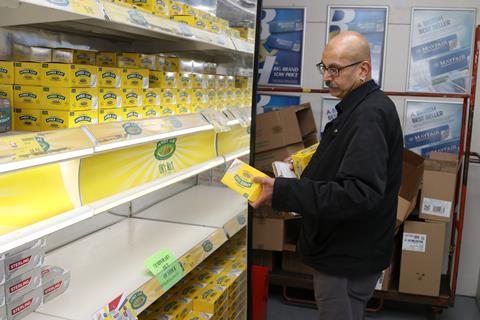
x=148, y=61
x=133, y=113
x=109, y=98
x=169, y=80
x=212, y=26
x=69, y=75
x=169, y=97
x=167, y=110
x=302, y=158
x=185, y=80
x=84, y=57
x=243, y=32
x=212, y=97
x=196, y=315
x=144, y=4
x=211, y=300
x=28, y=73
x=176, y=309
x=220, y=82
x=150, y=112
x=199, y=81
x=106, y=59
x=109, y=77
x=175, y=8
x=191, y=21
x=239, y=178
x=199, y=97
x=172, y=64
x=155, y=79
x=224, y=23
x=135, y=78
x=211, y=81
x=29, y=97
x=132, y=97
x=196, y=108
x=230, y=82
x=62, y=56
x=59, y=119
x=183, y=97
x=161, y=8
x=182, y=109
x=6, y=92
x=161, y=63
x=152, y=96
x=26, y=119
x=128, y=60
x=110, y=115
x=7, y=72
x=221, y=96
x=69, y=99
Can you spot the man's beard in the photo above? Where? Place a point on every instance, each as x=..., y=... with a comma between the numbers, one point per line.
x=331, y=85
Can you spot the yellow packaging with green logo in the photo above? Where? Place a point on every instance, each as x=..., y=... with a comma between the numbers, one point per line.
x=199, y=97
x=69, y=75
x=169, y=80
x=169, y=97
x=110, y=98
x=177, y=309
x=29, y=97
x=241, y=82
x=84, y=57
x=230, y=96
x=7, y=72
x=106, y=59
x=210, y=300
x=183, y=96
x=185, y=80
x=69, y=99
x=167, y=111
x=175, y=8
x=6, y=92
x=28, y=73
x=239, y=178
x=191, y=21
x=212, y=26
x=230, y=82
x=211, y=81
x=196, y=315
x=155, y=79
x=26, y=119
x=133, y=113
x=128, y=60
x=147, y=61
x=195, y=108
x=221, y=97
x=182, y=109
x=110, y=115
x=150, y=112
x=135, y=78
x=147, y=5
x=199, y=81
x=212, y=96
x=220, y=81
x=60, y=119
x=152, y=96
x=161, y=8
x=132, y=97
x=302, y=158
x=109, y=77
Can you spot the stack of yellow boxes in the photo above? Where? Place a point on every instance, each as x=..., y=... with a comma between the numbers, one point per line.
x=6, y=92
x=215, y=290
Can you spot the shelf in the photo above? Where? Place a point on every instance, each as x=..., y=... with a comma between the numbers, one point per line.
x=110, y=262
x=237, y=154
x=40, y=316
x=216, y=207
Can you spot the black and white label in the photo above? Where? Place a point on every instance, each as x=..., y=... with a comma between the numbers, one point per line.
x=416, y=242
x=436, y=207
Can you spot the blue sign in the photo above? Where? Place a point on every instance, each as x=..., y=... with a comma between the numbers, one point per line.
x=266, y=102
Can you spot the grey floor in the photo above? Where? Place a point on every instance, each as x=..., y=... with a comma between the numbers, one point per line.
x=465, y=309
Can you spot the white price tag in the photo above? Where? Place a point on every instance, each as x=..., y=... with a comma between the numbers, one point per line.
x=416, y=242
x=436, y=207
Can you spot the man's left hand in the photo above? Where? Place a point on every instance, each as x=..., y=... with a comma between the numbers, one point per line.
x=267, y=191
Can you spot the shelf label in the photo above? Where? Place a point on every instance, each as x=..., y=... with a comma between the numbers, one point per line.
x=217, y=119
x=160, y=261
x=185, y=30
x=118, y=309
x=170, y=275
x=241, y=114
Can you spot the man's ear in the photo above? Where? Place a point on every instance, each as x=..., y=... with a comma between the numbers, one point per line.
x=365, y=70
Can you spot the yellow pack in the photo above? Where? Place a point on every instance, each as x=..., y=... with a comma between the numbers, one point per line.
x=224, y=23
x=155, y=79
x=152, y=96
x=302, y=158
x=199, y=81
x=182, y=109
x=191, y=21
x=169, y=97
x=239, y=178
x=110, y=98
x=166, y=110
x=230, y=96
x=132, y=97
x=109, y=77
x=110, y=115
x=150, y=112
x=199, y=97
x=70, y=99
x=26, y=119
x=69, y=75
x=196, y=108
x=220, y=81
x=84, y=57
x=175, y=310
x=243, y=32
x=147, y=5
x=184, y=97
x=175, y=8
x=128, y=60
x=133, y=113
x=28, y=73
x=221, y=96
x=161, y=63
x=172, y=64
x=135, y=78
x=29, y=97
x=147, y=61
x=211, y=81
x=60, y=119
x=106, y=59
x=169, y=80
x=161, y=8
x=212, y=26
x=230, y=82
x=6, y=92
x=186, y=80
x=210, y=300
x=196, y=315
x=7, y=72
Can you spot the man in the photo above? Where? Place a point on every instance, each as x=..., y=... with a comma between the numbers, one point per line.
x=347, y=195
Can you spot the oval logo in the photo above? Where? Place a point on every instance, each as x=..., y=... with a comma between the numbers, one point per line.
x=241, y=220
x=207, y=246
x=132, y=128
x=138, y=300
x=165, y=149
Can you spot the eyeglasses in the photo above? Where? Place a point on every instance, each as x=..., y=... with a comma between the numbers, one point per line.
x=333, y=71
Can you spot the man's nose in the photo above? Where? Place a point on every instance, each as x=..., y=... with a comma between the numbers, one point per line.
x=327, y=76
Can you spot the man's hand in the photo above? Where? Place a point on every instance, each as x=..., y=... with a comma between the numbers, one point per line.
x=267, y=191
x=289, y=161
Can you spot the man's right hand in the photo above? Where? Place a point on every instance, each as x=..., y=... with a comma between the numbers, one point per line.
x=289, y=161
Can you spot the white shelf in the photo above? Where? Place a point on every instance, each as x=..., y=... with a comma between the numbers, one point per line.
x=110, y=262
x=237, y=154
x=40, y=316
x=203, y=206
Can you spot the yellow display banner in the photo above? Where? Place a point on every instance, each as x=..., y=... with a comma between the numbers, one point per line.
x=236, y=139
x=32, y=195
x=106, y=174
x=85, y=7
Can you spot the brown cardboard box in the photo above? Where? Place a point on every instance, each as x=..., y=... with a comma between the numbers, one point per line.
x=293, y=263
x=292, y=227
x=411, y=181
x=283, y=127
x=268, y=233
x=263, y=258
x=422, y=256
x=264, y=160
x=438, y=189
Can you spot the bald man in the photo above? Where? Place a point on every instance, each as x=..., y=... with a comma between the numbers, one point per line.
x=347, y=195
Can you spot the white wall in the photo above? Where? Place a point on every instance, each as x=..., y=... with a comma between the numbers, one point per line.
x=395, y=75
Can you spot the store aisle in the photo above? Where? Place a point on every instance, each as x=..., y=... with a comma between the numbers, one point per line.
x=465, y=309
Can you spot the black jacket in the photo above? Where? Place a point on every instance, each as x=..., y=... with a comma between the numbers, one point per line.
x=348, y=193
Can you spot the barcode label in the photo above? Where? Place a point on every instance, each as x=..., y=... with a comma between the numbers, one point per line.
x=414, y=242
x=436, y=207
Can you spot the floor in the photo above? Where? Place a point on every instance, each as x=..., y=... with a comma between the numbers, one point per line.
x=466, y=308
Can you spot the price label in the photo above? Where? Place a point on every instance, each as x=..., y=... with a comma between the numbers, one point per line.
x=221, y=39
x=241, y=114
x=170, y=276
x=160, y=261
x=217, y=119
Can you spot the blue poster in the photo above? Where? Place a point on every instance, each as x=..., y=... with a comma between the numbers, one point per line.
x=281, y=47
x=266, y=102
x=371, y=22
x=432, y=126
x=441, y=50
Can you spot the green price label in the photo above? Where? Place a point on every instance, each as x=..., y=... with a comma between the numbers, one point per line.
x=160, y=261
x=170, y=276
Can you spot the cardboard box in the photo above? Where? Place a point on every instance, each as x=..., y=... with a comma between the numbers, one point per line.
x=62, y=55
x=135, y=78
x=422, y=256
x=69, y=75
x=28, y=73
x=152, y=96
x=128, y=60
x=110, y=115
x=27, y=119
x=411, y=181
x=27, y=96
x=264, y=160
x=268, y=233
x=109, y=98
x=132, y=97
x=69, y=99
x=109, y=77
x=283, y=127
x=23, y=261
x=7, y=72
x=32, y=54
x=62, y=119
x=293, y=263
x=439, y=185
x=84, y=57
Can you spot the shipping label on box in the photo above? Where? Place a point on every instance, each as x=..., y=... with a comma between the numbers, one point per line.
x=415, y=242
x=22, y=284
x=62, y=119
x=110, y=77
x=28, y=73
x=109, y=98
x=132, y=97
x=26, y=119
x=135, y=78
x=239, y=178
x=110, y=115
x=27, y=96
x=7, y=72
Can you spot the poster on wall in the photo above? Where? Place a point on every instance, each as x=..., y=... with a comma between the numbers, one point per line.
x=432, y=126
x=268, y=102
x=281, y=46
x=441, y=50
x=371, y=22
x=329, y=112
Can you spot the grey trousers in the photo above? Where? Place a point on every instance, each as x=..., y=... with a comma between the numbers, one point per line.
x=342, y=298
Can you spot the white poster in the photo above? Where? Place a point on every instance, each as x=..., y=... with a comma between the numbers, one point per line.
x=329, y=112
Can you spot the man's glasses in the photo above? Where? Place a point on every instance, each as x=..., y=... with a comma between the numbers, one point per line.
x=333, y=71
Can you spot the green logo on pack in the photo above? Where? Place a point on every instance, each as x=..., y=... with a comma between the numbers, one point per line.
x=151, y=95
x=242, y=182
x=83, y=119
x=132, y=114
x=28, y=117
x=135, y=76
x=151, y=112
x=109, y=95
x=84, y=96
x=28, y=71
x=3, y=94
x=168, y=94
x=83, y=73
x=207, y=245
x=109, y=75
x=132, y=128
x=55, y=119
x=208, y=293
x=28, y=95
x=110, y=116
x=241, y=220
x=3, y=70
x=63, y=3
x=138, y=300
x=165, y=149
x=55, y=97
x=43, y=144
x=132, y=95
x=55, y=73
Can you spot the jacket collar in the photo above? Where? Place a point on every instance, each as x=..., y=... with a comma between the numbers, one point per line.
x=357, y=95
